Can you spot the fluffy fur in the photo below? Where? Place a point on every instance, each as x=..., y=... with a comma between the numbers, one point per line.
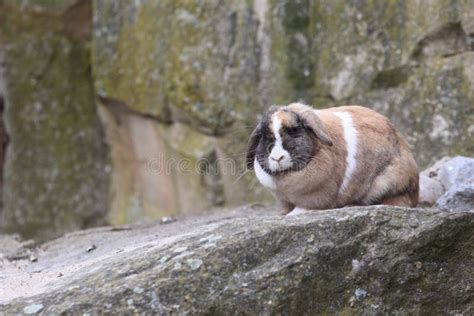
x=331, y=158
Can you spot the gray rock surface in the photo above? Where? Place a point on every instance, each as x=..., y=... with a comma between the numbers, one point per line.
x=361, y=260
x=12, y=248
x=459, y=198
x=55, y=177
x=448, y=184
x=457, y=171
x=433, y=171
x=194, y=92
x=430, y=191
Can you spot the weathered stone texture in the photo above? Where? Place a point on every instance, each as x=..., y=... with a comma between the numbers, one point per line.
x=54, y=179
x=214, y=67
x=194, y=69
x=194, y=76
x=373, y=260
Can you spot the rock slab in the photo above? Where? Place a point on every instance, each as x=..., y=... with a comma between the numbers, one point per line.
x=448, y=184
x=457, y=171
x=459, y=198
x=457, y=177
x=55, y=177
x=361, y=260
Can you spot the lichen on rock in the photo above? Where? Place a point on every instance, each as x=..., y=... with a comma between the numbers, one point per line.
x=360, y=260
x=55, y=179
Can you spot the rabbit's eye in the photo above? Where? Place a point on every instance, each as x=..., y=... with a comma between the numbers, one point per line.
x=294, y=131
x=269, y=148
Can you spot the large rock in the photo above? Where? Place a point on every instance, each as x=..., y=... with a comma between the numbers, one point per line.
x=432, y=106
x=457, y=176
x=202, y=70
x=430, y=191
x=222, y=64
x=55, y=176
x=434, y=171
x=374, y=260
x=13, y=248
x=190, y=80
x=459, y=198
x=457, y=171
x=407, y=60
x=448, y=184
x=192, y=89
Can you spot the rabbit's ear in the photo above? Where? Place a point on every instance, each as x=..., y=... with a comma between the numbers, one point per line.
x=314, y=124
x=311, y=122
x=252, y=145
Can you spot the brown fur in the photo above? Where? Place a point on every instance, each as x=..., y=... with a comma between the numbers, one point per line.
x=286, y=118
x=385, y=173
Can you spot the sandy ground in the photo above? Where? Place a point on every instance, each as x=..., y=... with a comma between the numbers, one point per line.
x=64, y=260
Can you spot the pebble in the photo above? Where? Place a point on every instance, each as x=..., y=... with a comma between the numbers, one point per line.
x=459, y=198
x=138, y=290
x=179, y=249
x=360, y=293
x=194, y=264
x=91, y=248
x=164, y=259
x=168, y=220
x=456, y=171
x=33, y=309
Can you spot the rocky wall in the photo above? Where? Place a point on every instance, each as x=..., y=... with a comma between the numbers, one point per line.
x=55, y=177
x=186, y=81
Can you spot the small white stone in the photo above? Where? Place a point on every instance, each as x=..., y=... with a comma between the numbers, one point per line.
x=194, y=264
x=206, y=238
x=164, y=259
x=179, y=249
x=355, y=264
x=138, y=290
x=360, y=293
x=33, y=309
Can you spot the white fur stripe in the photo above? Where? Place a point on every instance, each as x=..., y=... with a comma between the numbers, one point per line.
x=278, y=150
x=350, y=136
x=276, y=127
x=265, y=179
x=297, y=211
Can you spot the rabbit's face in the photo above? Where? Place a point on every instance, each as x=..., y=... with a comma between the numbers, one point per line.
x=285, y=143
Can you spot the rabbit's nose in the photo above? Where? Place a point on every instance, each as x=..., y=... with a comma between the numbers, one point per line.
x=277, y=159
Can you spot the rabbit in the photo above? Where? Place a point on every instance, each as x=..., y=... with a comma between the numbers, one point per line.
x=323, y=159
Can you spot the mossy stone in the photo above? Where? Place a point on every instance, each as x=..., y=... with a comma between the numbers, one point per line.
x=55, y=170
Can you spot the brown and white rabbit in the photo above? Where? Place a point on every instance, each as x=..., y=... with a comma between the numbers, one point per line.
x=343, y=156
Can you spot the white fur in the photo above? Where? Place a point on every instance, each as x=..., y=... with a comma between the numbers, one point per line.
x=265, y=179
x=278, y=150
x=350, y=137
x=297, y=211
